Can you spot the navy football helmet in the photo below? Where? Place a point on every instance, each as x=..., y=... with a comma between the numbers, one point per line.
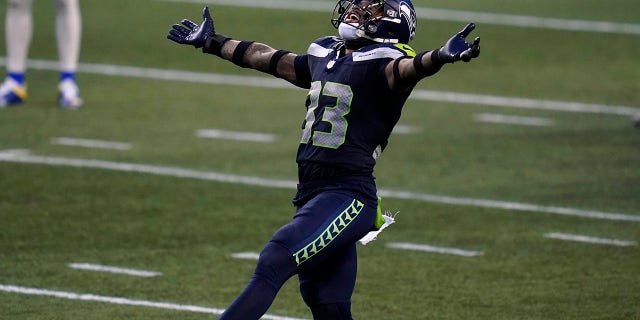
x=383, y=21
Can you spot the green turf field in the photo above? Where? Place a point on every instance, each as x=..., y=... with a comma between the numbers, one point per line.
x=180, y=205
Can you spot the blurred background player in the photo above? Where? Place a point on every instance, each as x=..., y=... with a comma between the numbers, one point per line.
x=358, y=84
x=19, y=31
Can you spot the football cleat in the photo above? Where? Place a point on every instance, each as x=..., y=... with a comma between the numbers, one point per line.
x=69, y=95
x=12, y=93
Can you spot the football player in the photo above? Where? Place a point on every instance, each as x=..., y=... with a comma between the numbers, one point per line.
x=19, y=29
x=358, y=83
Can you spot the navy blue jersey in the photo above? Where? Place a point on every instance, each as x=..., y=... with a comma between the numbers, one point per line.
x=351, y=112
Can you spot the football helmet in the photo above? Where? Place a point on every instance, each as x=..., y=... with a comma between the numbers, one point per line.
x=383, y=21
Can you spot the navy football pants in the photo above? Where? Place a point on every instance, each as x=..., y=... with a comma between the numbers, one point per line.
x=319, y=245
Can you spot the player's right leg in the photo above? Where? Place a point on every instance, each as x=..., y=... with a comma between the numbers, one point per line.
x=18, y=33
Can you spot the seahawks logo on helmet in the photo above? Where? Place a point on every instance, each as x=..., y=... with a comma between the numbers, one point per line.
x=409, y=15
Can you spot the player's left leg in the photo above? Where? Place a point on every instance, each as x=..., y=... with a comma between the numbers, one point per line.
x=68, y=37
x=328, y=276
x=327, y=287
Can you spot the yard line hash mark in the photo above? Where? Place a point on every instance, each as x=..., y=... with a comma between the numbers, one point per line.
x=449, y=15
x=515, y=120
x=235, y=135
x=22, y=156
x=589, y=239
x=122, y=301
x=91, y=143
x=264, y=82
x=112, y=269
x=433, y=249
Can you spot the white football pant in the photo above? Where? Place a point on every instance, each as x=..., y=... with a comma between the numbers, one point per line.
x=19, y=31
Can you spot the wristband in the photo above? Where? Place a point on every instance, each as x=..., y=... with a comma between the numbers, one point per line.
x=435, y=58
x=421, y=70
x=213, y=45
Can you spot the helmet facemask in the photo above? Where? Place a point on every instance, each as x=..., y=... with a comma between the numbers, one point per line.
x=380, y=21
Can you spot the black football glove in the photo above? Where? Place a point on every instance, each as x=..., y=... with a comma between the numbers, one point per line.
x=457, y=48
x=191, y=33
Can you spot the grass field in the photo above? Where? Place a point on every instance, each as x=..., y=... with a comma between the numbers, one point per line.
x=176, y=204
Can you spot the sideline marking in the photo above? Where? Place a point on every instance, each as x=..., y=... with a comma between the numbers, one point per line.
x=433, y=249
x=449, y=15
x=264, y=82
x=91, y=143
x=509, y=119
x=22, y=156
x=122, y=301
x=111, y=269
x=235, y=135
x=589, y=239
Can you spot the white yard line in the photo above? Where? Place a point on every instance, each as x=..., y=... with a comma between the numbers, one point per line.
x=404, y=129
x=122, y=301
x=265, y=82
x=91, y=143
x=433, y=249
x=445, y=15
x=589, y=239
x=523, y=103
x=112, y=269
x=514, y=120
x=246, y=255
x=22, y=156
x=235, y=135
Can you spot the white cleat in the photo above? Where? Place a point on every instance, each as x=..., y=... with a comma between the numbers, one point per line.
x=69, y=95
x=12, y=93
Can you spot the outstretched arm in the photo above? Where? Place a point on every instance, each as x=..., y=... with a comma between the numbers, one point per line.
x=261, y=57
x=247, y=54
x=403, y=73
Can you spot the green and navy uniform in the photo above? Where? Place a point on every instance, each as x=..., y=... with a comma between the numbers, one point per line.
x=351, y=112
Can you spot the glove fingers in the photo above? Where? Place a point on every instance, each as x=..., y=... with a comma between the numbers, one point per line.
x=205, y=13
x=465, y=32
x=177, y=33
x=475, y=48
x=180, y=29
x=466, y=55
x=175, y=38
x=190, y=24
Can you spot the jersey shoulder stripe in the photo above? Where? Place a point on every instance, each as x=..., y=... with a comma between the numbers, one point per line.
x=323, y=47
x=383, y=51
